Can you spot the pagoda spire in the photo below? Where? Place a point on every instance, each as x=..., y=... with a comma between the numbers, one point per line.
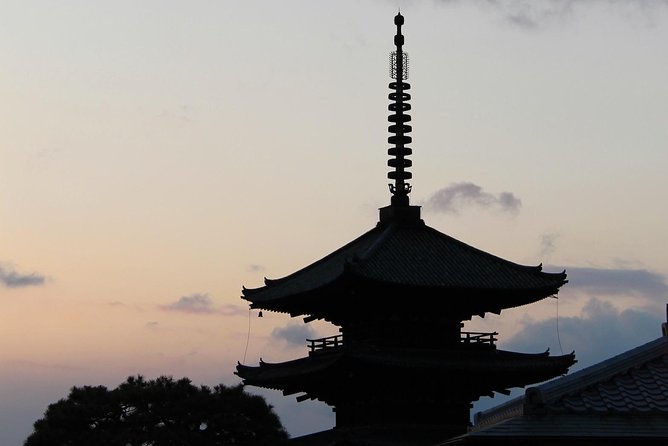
x=399, y=129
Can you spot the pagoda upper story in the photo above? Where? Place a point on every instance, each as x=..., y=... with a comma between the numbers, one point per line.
x=399, y=294
x=400, y=258
x=403, y=255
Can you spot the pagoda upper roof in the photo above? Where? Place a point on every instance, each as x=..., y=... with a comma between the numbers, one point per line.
x=409, y=254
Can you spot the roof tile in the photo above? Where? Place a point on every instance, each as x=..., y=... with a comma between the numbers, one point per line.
x=624, y=396
x=414, y=256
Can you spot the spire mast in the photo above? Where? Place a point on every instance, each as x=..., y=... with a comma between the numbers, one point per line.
x=399, y=129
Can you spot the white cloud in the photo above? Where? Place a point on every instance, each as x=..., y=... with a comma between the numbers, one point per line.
x=12, y=279
x=598, y=333
x=201, y=303
x=616, y=282
x=457, y=196
x=294, y=334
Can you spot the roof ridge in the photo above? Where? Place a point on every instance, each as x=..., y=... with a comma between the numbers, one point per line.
x=270, y=282
x=537, y=268
x=387, y=232
x=603, y=371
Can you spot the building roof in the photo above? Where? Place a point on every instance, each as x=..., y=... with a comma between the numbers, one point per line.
x=485, y=370
x=635, y=381
x=622, y=397
x=410, y=255
x=535, y=429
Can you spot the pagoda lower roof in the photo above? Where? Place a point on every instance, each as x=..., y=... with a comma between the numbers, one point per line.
x=496, y=369
x=410, y=256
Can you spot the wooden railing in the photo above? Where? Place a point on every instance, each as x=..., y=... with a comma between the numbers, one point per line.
x=325, y=343
x=476, y=337
x=466, y=337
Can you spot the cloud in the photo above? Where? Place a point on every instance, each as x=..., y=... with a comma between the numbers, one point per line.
x=201, y=303
x=600, y=332
x=536, y=14
x=548, y=244
x=294, y=334
x=193, y=303
x=233, y=310
x=11, y=279
x=179, y=116
x=616, y=282
x=456, y=196
x=254, y=268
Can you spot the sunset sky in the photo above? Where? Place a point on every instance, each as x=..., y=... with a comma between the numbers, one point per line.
x=157, y=155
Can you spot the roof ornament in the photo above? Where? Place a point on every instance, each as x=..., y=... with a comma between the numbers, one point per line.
x=399, y=72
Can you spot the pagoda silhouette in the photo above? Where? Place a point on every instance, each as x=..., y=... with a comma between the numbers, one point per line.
x=401, y=370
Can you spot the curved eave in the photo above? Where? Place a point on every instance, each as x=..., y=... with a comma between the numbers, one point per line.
x=495, y=369
x=425, y=257
x=466, y=302
x=317, y=275
x=419, y=258
x=488, y=362
x=278, y=376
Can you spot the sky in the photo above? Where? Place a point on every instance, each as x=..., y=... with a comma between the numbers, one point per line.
x=156, y=156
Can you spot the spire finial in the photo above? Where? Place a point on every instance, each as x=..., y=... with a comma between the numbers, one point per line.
x=399, y=72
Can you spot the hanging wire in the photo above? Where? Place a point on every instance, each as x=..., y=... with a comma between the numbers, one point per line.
x=247, y=336
x=558, y=337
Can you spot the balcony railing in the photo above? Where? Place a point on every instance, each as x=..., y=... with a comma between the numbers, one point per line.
x=325, y=343
x=476, y=337
x=466, y=337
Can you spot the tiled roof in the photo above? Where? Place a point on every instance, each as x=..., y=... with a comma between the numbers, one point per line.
x=416, y=256
x=643, y=389
x=494, y=369
x=569, y=427
x=624, y=396
x=422, y=256
x=636, y=380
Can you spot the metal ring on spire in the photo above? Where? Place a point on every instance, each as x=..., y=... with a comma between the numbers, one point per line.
x=399, y=119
